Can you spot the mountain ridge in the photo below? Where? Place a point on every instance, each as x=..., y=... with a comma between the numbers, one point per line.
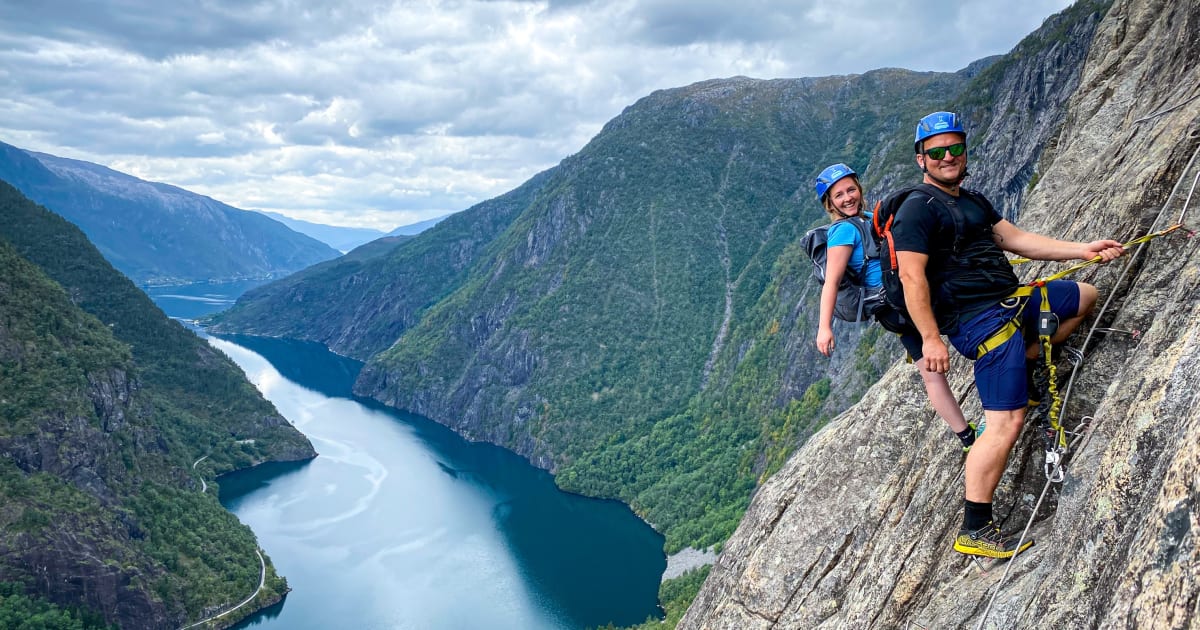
x=159, y=234
x=338, y=237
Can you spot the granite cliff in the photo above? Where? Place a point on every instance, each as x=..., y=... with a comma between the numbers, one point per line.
x=855, y=530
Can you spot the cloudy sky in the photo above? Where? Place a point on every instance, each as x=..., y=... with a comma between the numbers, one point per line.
x=382, y=113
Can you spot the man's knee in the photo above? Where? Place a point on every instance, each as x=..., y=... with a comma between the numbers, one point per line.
x=1087, y=298
x=1007, y=424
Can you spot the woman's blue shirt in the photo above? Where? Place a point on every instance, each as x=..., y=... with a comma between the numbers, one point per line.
x=842, y=233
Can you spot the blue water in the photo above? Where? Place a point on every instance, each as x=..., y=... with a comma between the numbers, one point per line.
x=400, y=523
x=191, y=301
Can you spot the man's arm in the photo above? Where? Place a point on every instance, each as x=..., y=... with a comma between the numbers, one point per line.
x=920, y=309
x=1013, y=239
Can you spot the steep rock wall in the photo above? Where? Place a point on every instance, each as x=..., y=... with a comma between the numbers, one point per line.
x=855, y=531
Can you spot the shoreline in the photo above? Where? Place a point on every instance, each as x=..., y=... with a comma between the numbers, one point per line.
x=687, y=559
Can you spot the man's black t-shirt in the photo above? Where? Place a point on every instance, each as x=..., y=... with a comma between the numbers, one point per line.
x=967, y=272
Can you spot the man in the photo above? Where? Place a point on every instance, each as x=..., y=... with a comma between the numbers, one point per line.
x=950, y=246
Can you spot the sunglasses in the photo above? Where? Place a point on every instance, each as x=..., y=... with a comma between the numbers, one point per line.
x=938, y=153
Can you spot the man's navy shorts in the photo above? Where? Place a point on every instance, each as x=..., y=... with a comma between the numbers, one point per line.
x=1000, y=374
x=893, y=321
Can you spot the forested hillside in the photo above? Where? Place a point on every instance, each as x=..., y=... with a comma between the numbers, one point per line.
x=110, y=413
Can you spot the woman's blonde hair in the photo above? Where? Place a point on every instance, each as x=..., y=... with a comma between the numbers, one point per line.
x=827, y=201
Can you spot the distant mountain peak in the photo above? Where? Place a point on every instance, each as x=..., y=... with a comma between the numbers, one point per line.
x=158, y=233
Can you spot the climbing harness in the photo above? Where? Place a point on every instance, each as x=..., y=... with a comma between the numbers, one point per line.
x=1047, y=325
x=1056, y=472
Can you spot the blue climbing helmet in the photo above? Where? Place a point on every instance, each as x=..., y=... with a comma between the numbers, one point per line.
x=937, y=123
x=830, y=176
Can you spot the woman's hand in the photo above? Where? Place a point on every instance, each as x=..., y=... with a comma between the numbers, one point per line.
x=825, y=340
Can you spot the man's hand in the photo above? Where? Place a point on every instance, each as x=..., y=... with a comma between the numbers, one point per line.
x=1107, y=250
x=937, y=357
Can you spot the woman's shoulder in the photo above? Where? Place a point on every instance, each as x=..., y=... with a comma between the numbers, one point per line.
x=843, y=232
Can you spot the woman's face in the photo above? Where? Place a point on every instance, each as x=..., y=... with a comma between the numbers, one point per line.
x=846, y=196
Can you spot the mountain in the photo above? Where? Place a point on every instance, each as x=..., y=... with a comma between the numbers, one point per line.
x=413, y=229
x=338, y=237
x=111, y=415
x=159, y=234
x=860, y=537
x=639, y=319
x=361, y=304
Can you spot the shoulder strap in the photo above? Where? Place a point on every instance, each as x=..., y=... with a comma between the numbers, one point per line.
x=947, y=201
x=886, y=209
x=870, y=246
x=978, y=198
x=870, y=249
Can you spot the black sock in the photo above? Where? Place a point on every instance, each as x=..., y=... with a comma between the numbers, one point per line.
x=976, y=515
x=967, y=436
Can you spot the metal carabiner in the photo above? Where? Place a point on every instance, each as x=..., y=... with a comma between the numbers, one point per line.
x=1055, y=472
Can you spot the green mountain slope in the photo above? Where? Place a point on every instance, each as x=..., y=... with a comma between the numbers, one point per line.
x=359, y=304
x=105, y=407
x=160, y=234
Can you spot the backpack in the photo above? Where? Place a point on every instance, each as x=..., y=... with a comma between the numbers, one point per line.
x=855, y=302
x=881, y=226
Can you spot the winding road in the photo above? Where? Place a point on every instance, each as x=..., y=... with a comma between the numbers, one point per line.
x=203, y=483
x=262, y=579
x=262, y=564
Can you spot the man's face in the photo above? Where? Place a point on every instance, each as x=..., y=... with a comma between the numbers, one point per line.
x=950, y=168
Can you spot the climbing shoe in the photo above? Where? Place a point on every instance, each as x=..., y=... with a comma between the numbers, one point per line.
x=988, y=541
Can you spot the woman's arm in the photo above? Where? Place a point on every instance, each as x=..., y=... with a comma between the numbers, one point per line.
x=836, y=260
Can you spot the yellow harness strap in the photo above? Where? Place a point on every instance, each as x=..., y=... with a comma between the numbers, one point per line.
x=1010, y=328
x=1014, y=325
x=1060, y=435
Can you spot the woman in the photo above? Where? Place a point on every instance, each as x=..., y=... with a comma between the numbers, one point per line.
x=839, y=191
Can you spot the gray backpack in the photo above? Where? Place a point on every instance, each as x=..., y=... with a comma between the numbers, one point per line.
x=855, y=302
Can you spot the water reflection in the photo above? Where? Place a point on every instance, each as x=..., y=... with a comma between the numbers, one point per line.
x=402, y=524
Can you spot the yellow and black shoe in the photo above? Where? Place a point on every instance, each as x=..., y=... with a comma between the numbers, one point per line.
x=987, y=541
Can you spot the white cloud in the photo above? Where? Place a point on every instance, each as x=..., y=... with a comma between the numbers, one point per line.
x=385, y=113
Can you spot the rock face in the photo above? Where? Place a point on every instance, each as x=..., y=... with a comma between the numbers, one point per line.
x=1015, y=121
x=859, y=537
